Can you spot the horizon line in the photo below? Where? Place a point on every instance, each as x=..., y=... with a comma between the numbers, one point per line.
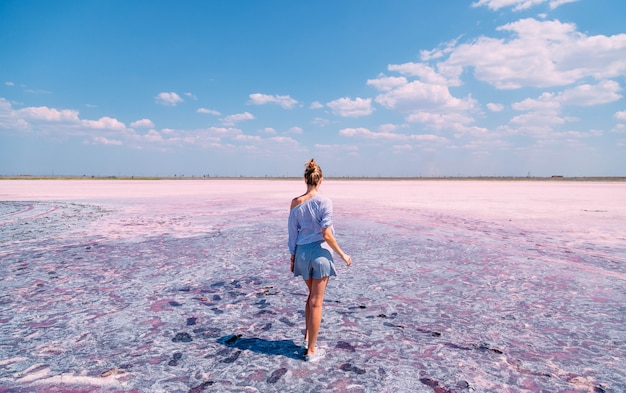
x=242, y=177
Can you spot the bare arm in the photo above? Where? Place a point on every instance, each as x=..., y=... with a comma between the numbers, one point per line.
x=332, y=242
x=294, y=202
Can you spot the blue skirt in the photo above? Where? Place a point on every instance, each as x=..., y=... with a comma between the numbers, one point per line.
x=314, y=260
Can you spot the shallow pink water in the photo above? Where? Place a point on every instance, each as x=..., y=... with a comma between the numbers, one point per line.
x=184, y=285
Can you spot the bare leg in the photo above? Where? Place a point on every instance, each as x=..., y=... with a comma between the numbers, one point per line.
x=307, y=313
x=307, y=316
x=313, y=312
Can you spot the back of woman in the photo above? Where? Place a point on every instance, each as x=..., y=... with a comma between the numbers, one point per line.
x=311, y=239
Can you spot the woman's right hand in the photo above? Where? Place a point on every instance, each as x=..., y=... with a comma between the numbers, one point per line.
x=347, y=259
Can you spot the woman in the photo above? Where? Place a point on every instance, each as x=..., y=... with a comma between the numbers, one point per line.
x=311, y=234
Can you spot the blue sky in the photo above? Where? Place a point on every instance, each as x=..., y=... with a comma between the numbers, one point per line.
x=368, y=88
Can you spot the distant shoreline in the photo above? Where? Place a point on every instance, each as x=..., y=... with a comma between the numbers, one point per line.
x=349, y=178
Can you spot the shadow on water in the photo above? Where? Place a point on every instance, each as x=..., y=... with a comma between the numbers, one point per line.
x=285, y=348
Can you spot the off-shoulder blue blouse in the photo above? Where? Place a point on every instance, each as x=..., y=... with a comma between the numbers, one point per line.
x=307, y=220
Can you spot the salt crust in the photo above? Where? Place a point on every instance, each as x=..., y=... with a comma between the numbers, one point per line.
x=457, y=286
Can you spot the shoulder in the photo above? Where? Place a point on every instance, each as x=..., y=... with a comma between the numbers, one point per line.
x=297, y=201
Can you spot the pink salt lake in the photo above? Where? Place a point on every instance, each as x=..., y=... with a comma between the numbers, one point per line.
x=184, y=286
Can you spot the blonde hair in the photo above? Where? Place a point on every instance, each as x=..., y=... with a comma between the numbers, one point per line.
x=312, y=173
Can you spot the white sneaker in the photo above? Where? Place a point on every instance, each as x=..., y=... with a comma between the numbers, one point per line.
x=314, y=357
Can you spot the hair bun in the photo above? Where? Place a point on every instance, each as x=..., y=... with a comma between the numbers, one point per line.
x=313, y=172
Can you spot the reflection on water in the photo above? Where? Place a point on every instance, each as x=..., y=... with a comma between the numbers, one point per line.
x=194, y=294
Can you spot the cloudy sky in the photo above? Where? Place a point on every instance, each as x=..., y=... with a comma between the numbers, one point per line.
x=368, y=88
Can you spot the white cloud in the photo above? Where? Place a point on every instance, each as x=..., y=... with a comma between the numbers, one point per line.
x=295, y=130
x=100, y=140
x=439, y=120
x=387, y=83
x=351, y=108
x=364, y=132
x=588, y=95
x=556, y=3
x=543, y=115
x=28, y=89
x=539, y=119
x=316, y=105
x=578, y=134
x=268, y=147
x=620, y=115
x=168, y=99
x=233, y=119
x=619, y=128
x=143, y=123
x=110, y=131
x=419, y=95
x=428, y=138
x=403, y=148
x=519, y=5
x=545, y=103
x=43, y=113
x=247, y=138
x=284, y=140
x=261, y=99
x=388, y=127
x=211, y=137
x=495, y=107
x=152, y=136
x=5, y=105
x=320, y=121
x=338, y=149
x=544, y=112
x=484, y=146
x=540, y=54
x=191, y=95
x=223, y=131
x=443, y=50
x=208, y=111
x=454, y=122
x=9, y=118
x=46, y=119
x=427, y=99
x=497, y=4
x=390, y=136
x=424, y=72
x=429, y=103
x=269, y=131
x=105, y=122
